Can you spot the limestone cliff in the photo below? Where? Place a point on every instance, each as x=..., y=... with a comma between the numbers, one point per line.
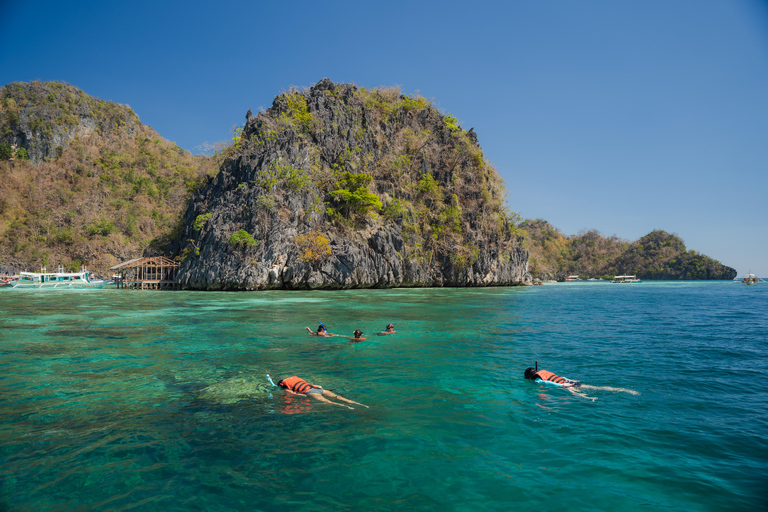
x=44, y=117
x=345, y=187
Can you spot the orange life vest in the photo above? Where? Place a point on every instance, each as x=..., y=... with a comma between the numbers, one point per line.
x=296, y=384
x=545, y=375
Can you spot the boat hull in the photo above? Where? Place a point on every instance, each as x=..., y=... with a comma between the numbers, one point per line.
x=62, y=286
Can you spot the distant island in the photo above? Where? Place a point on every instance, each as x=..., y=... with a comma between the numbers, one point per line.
x=334, y=186
x=656, y=256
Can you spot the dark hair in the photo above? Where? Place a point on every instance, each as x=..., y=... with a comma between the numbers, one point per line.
x=280, y=384
x=357, y=333
x=530, y=373
x=321, y=327
x=390, y=326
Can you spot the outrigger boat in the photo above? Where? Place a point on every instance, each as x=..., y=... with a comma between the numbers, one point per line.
x=626, y=279
x=60, y=279
x=750, y=279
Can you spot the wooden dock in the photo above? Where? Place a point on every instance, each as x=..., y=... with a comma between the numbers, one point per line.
x=152, y=273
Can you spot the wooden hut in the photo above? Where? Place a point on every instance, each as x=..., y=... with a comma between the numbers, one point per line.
x=154, y=273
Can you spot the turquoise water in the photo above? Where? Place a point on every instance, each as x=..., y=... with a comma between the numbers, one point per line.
x=126, y=400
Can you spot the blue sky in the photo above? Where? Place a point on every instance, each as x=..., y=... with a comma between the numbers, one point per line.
x=611, y=115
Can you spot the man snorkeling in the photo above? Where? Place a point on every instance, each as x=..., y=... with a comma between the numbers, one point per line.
x=550, y=378
x=298, y=386
x=321, y=331
x=358, y=336
x=389, y=329
x=574, y=386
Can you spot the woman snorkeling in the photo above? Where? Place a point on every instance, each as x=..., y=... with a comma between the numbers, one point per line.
x=298, y=386
x=574, y=386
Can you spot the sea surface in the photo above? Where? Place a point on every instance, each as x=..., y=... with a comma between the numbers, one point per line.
x=158, y=401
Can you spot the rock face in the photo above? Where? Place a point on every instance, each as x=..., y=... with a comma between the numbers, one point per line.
x=234, y=390
x=345, y=187
x=44, y=117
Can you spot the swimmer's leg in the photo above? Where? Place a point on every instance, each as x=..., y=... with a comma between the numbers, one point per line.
x=318, y=396
x=575, y=391
x=334, y=395
x=608, y=388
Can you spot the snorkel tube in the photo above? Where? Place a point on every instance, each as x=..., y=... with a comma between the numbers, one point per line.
x=270, y=381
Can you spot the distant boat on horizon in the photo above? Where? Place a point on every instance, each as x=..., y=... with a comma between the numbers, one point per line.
x=626, y=279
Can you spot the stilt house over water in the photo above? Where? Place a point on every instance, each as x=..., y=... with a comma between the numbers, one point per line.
x=153, y=273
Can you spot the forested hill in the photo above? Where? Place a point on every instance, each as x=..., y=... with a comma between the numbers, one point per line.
x=83, y=181
x=656, y=256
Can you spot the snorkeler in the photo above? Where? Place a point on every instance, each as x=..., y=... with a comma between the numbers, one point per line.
x=574, y=386
x=358, y=336
x=298, y=386
x=550, y=378
x=389, y=329
x=321, y=331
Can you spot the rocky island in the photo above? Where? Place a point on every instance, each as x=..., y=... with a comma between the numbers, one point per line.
x=344, y=187
x=334, y=186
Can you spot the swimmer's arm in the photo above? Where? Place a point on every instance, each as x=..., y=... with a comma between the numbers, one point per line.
x=571, y=383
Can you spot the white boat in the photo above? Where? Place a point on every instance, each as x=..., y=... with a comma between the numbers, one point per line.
x=60, y=279
x=573, y=278
x=626, y=279
x=750, y=279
